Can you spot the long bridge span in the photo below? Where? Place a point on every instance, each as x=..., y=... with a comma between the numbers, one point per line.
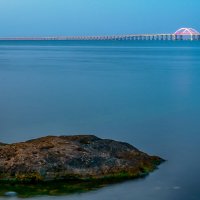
x=180, y=34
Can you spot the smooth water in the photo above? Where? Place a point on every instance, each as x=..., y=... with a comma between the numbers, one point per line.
x=146, y=93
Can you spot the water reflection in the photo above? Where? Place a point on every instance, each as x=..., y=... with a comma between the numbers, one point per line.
x=54, y=188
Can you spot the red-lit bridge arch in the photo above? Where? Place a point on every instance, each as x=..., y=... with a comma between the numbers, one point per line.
x=187, y=32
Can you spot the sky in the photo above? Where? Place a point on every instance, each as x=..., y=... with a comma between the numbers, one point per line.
x=95, y=17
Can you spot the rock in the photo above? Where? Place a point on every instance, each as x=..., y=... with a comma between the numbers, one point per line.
x=82, y=157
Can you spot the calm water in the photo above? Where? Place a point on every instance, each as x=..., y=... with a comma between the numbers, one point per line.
x=145, y=93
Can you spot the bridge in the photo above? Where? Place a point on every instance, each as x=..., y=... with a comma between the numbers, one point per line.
x=180, y=34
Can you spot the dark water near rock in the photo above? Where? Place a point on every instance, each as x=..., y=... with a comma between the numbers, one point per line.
x=145, y=93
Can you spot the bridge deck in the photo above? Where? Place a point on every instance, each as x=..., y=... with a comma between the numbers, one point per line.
x=112, y=37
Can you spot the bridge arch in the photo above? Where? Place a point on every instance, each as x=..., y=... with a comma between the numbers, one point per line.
x=187, y=32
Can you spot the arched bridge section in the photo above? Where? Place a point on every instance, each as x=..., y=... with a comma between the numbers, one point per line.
x=191, y=32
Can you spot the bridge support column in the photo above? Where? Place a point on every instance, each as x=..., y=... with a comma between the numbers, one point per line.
x=195, y=37
x=175, y=37
x=157, y=37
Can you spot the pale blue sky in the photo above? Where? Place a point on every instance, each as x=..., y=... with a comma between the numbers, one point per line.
x=95, y=17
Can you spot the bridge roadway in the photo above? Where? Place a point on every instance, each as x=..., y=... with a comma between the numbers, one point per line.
x=112, y=37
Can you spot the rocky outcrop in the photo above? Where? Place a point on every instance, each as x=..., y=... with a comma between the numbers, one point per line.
x=2, y=144
x=82, y=157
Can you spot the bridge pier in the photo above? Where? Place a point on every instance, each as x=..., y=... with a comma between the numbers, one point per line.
x=180, y=37
x=157, y=37
x=196, y=37
x=175, y=37
x=192, y=37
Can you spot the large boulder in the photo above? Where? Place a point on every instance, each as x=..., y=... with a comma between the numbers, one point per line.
x=81, y=157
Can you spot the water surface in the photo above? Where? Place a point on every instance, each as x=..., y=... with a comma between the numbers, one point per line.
x=142, y=92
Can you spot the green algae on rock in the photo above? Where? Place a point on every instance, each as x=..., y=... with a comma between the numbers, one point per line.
x=73, y=158
x=50, y=188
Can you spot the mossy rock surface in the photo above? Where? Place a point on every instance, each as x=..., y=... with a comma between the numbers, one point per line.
x=72, y=158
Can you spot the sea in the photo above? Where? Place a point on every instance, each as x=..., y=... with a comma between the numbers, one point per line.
x=146, y=93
